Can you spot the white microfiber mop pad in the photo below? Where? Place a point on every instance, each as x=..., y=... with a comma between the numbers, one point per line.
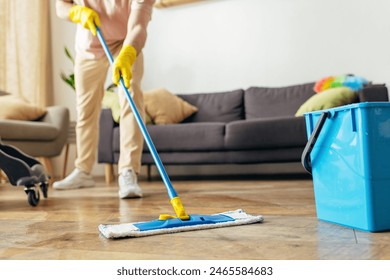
x=196, y=222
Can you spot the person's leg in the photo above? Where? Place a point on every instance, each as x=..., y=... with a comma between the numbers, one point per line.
x=131, y=138
x=90, y=76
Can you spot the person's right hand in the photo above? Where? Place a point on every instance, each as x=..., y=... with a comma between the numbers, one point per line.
x=87, y=17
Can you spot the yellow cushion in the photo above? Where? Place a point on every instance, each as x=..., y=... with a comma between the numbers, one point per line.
x=326, y=99
x=17, y=108
x=166, y=108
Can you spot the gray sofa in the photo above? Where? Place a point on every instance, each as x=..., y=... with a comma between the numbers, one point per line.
x=251, y=126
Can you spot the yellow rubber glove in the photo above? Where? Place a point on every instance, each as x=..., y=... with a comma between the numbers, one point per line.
x=87, y=17
x=123, y=65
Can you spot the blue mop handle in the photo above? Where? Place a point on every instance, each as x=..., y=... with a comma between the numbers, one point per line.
x=171, y=191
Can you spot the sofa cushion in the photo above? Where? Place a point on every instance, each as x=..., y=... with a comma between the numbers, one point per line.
x=183, y=137
x=27, y=130
x=264, y=133
x=263, y=102
x=188, y=137
x=216, y=107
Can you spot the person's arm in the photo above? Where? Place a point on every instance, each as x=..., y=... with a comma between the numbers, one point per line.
x=134, y=41
x=138, y=24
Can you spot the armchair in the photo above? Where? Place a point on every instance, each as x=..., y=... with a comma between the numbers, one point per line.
x=44, y=138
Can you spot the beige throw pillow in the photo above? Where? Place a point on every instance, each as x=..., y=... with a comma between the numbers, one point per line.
x=17, y=108
x=166, y=108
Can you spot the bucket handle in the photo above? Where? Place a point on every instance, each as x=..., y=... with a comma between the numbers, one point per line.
x=305, y=159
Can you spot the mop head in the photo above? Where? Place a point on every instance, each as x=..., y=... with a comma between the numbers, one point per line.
x=196, y=222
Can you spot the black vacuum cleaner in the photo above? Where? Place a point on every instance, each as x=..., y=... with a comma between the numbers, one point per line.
x=23, y=170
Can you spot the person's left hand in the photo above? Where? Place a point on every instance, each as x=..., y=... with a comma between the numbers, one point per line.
x=123, y=65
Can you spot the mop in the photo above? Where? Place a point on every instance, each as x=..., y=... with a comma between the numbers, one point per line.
x=168, y=223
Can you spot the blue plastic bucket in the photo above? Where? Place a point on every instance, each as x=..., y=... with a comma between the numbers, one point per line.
x=350, y=165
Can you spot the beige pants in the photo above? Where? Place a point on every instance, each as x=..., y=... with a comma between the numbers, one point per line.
x=90, y=77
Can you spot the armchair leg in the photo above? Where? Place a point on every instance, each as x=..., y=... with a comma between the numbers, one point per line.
x=65, y=161
x=3, y=177
x=46, y=162
x=109, y=173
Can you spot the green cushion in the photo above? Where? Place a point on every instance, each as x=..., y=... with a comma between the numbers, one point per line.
x=326, y=99
x=111, y=100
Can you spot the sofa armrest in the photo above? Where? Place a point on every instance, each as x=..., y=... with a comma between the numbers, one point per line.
x=57, y=116
x=106, y=131
x=373, y=93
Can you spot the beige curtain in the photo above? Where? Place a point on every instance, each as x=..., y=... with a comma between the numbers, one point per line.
x=25, y=57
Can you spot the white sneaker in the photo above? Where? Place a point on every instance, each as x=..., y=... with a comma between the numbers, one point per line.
x=76, y=179
x=128, y=186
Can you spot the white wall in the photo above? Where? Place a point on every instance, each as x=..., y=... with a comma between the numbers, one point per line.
x=218, y=45
x=230, y=44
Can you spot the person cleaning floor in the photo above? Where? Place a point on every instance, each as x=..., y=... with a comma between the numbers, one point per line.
x=124, y=24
